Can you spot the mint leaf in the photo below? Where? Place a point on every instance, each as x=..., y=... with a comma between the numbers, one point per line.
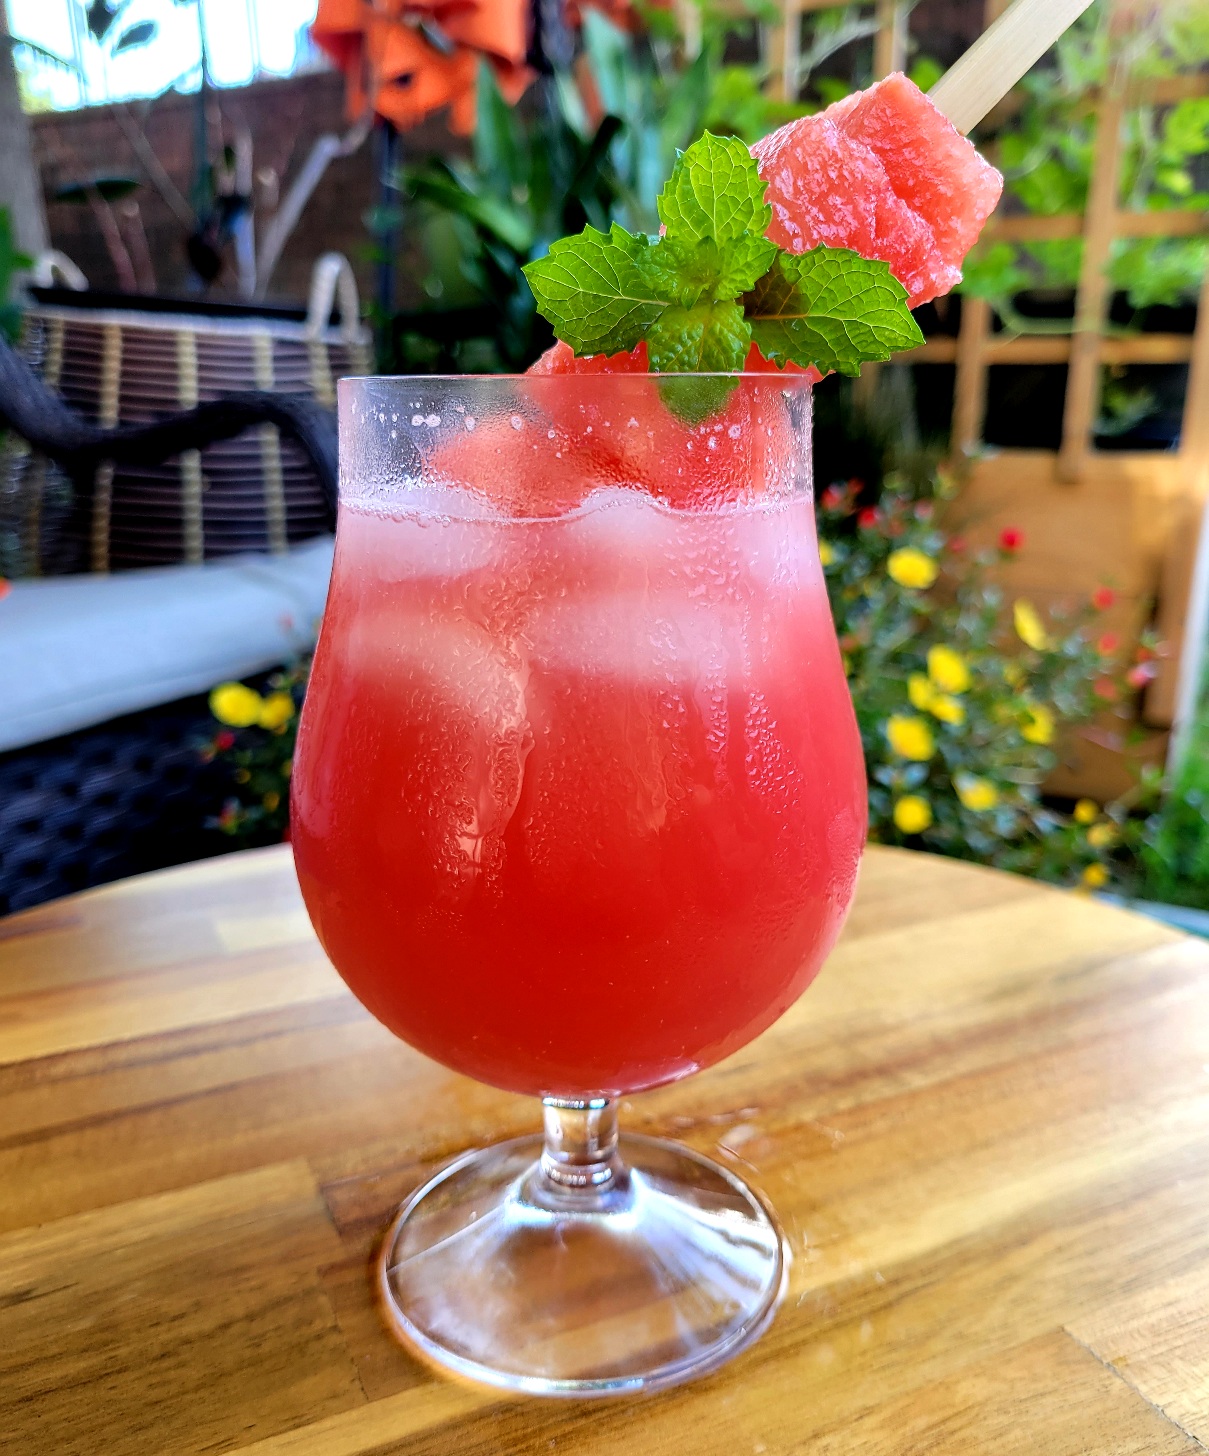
x=695, y=397
x=596, y=290
x=831, y=308
x=711, y=338
x=745, y=263
x=715, y=191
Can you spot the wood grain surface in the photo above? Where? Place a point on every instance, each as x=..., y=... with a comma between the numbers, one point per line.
x=986, y=1130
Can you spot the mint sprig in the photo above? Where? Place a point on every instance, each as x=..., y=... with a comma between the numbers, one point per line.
x=713, y=282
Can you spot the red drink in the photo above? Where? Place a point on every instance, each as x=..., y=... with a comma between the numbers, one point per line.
x=578, y=801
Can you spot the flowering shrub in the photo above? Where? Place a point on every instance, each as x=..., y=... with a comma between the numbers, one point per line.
x=257, y=740
x=960, y=695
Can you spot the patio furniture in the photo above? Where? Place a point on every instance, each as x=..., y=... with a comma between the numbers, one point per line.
x=125, y=360
x=82, y=803
x=984, y=1131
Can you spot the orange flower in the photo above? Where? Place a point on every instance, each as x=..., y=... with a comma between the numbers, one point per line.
x=409, y=58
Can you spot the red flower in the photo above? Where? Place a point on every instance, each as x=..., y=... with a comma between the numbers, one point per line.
x=1143, y=654
x=923, y=510
x=1102, y=598
x=833, y=498
x=1105, y=689
x=5, y=588
x=224, y=740
x=1011, y=540
x=869, y=519
x=958, y=544
x=1108, y=644
x=1139, y=676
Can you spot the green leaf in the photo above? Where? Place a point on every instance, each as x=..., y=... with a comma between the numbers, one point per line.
x=695, y=397
x=595, y=290
x=715, y=191
x=710, y=338
x=690, y=272
x=831, y=308
x=746, y=261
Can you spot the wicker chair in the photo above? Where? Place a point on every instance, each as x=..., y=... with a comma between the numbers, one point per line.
x=135, y=793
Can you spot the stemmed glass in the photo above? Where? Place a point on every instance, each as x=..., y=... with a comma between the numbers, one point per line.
x=578, y=806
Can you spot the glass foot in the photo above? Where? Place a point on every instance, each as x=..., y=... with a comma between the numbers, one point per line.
x=541, y=1271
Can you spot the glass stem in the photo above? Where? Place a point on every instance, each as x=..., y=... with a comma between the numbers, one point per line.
x=580, y=1152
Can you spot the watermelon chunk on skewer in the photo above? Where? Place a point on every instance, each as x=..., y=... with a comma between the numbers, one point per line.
x=886, y=173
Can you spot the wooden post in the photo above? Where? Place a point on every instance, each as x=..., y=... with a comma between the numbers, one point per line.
x=784, y=52
x=1194, y=435
x=890, y=41
x=1091, y=304
x=1189, y=666
x=969, y=392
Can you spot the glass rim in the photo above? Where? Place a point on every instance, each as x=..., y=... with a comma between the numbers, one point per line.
x=758, y=375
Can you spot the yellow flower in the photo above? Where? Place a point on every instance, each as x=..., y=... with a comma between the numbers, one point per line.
x=1087, y=811
x=826, y=553
x=976, y=794
x=287, y=768
x=271, y=800
x=1014, y=675
x=241, y=776
x=947, y=709
x=920, y=691
x=948, y=669
x=1095, y=877
x=912, y=814
x=277, y=709
x=1039, y=727
x=910, y=737
x=235, y=705
x=912, y=568
x=1029, y=626
x=1102, y=836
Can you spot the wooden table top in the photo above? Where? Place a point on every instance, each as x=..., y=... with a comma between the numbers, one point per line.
x=986, y=1130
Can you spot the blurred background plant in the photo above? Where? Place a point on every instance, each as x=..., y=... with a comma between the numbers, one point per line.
x=12, y=262
x=255, y=742
x=1162, y=836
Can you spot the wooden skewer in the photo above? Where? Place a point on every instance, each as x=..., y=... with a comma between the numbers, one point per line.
x=1000, y=56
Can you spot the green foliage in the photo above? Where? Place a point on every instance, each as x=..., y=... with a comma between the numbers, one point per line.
x=1046, y=157
x=1163, y=846
x=666, y=99
x=12, y=262
x=485, y=219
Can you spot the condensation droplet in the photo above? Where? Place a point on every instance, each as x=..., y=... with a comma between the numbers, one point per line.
x=516, y=422
x=470, y=422
x=417, y=419
x=432, y=421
